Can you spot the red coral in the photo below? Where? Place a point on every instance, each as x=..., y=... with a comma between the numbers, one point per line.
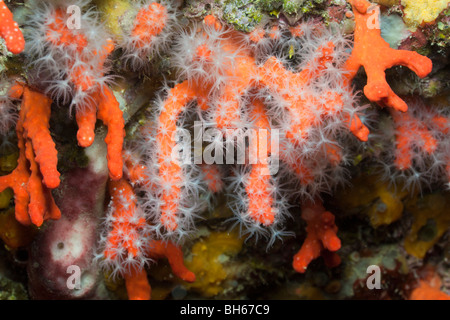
x=138, y=287
x=150, y=22
x=242, y=75
x=427, y=292
x=85, y=63
x=213, y=177
x=104, y=106
x=428, y=286
x=373, y=53
x=9, y=30
x=125, y=239
x=128, y=245
x=170, y=172
x=259, y=185
x=36, y=171
x=421, y=144
x=151, y=29
x=85, y=67
x=410, y=132
x=321, y=238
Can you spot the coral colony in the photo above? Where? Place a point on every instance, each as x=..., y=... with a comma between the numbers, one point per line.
x=229, y=80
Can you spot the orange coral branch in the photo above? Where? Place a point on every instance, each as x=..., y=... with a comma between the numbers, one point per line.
x=373, y=53
x=321, y=238
x=128, y=223
x=410, y=132
x=173, y=253
x=138, y=287
x=86, y=120
x=170, y=172
x=429, y=287
x=258, y=186
x=106, y=108
x=35, y=116
x=36, y=171
x=9, y=30
x=99, y=102
x=149, y=22
x=111, y=115
x=128, y=239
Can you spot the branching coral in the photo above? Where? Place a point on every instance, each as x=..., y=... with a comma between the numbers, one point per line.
x=234, y=92
x=299, y=117
x=108, y=111
x=373, y=53
x=148, y=37
x=422, y=128
x=127, y=247
x=421, y=155
x=128, y=237
x=321, y=238
x=71, y=64
x=9, y=30
x=36, y=171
